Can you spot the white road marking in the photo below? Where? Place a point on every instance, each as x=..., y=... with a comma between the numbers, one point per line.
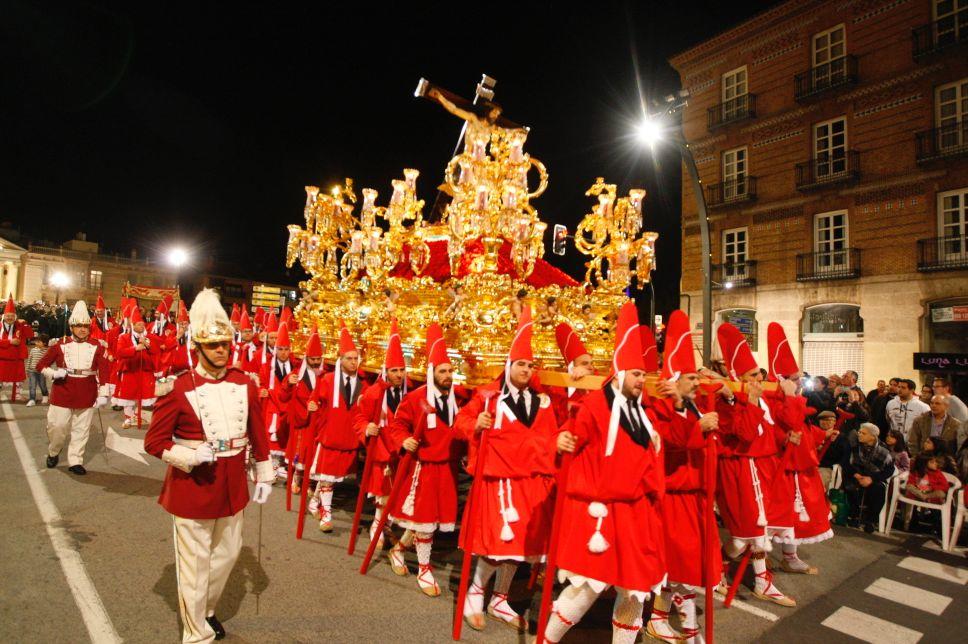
x=909, y=596
x=868, y=628
x=934, y=545
x=133, y=448
x=743, y=606
x=946, y=572
x=89, y=603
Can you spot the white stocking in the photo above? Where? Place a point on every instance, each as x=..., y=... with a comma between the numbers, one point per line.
x=474, y=604
x=626, y=617
x=424, y=543
x=686, y=604
x=326, y=502
x=571, y=605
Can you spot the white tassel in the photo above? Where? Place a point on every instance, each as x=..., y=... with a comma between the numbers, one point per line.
x=798, y=501
x=758, y=495
x=507, y=534
x=761, y=519
x=408, y=503
x=597, y=544
x=597, y=510
x=511, y=514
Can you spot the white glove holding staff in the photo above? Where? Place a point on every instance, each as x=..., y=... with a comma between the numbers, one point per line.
x=204, y=454
x=261, y=494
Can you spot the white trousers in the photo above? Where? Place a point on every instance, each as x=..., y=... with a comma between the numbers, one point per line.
x=62, y=423
x=205, y=553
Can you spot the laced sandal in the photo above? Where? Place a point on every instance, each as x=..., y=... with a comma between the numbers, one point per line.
x=771, y=593
x=474, y=620
x=693, y=636
x=397, y=562
x=326, y=523
x=500, y=610
x=425, y=579
x=660, y=629
x=803, y=569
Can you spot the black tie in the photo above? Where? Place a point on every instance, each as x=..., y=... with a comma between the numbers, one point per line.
x=442, y=409
x=347, y=393
x=394, y=399
x=522, y=408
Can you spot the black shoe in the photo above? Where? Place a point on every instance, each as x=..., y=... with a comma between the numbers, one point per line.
x=853, y=523
x=52, y=461
x=868, y=528
x=77, y=469
x=216, y=626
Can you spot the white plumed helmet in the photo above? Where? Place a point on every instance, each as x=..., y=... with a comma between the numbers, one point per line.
x=80, y=316
x=208, y=319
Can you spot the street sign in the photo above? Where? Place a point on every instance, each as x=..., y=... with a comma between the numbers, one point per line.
x=267, y=296
x=941, y=361
x=950, y=314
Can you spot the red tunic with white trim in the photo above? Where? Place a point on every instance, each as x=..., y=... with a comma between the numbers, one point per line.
x=297, y=419
x=136, y=369
x=336, y=440
x=517, y=478
x=630, y=483
x=371, y=409
x=12, y=355
x=428, y=501
x=276, y=405
x=231, y=410
x=76, y=391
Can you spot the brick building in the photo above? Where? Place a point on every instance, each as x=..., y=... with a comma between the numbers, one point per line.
x=832, y=141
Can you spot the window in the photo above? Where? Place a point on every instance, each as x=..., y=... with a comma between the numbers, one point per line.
x=830, y=242
x=833, y=340
x=745, y=321
x=951, y=17
x=233, y=290
x=951, y=108
x=95, y=280
x=952, y=226
x=734, y=254
x=829, y=57
x=734, y=94
x=734, y=174
x=830, y=148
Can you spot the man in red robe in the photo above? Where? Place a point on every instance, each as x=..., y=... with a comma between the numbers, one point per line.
x=579, y=365
x=516, y=474
x=137, y=357
x=297, y=414
x=429, y=503
x=277, y=378
x=245, y=352
x=331, y=410
x=75, y=366
x=611, y=529
x=201, y=430
x=15, y=336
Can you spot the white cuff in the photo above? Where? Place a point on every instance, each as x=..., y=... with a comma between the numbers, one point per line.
x=264, y=472
x=104, y=391
x=179, y=456
x=50, y=373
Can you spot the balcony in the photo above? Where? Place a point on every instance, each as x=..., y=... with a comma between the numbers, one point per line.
x=827, y=169
x=939, y=35
x=942, y=142
x=829, y=265
x=840, y=72
x=943, y=253
x=728, y=193
x=736, y=109
x=738, y=275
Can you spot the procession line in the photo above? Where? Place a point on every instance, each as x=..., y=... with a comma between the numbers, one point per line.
x=89, y=603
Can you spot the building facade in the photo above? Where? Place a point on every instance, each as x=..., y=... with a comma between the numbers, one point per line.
x=831, y=137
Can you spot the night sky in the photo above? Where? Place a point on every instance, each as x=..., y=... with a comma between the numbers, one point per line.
x=149, y=124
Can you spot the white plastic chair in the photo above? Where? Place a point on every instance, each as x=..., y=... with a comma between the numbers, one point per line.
x=836, y=477
x=959, y=519
x=837, y=481
x=898, y=497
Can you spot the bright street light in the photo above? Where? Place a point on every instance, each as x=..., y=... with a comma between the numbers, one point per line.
x=728, y=285
x=177, y=257
x=649, y=132
x=59, y=280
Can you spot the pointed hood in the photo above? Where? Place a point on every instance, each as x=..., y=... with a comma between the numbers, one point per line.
x=234, y=318
x=345, y=341
x=99, y=306
x=182, y=312
x=285, y=317
x=80, y=316
x=282, y=338
x=272, y=324
x=782, y=363
x=736, y=353
x=569, y=343
x=650, y=352
x=162, y=308
x=679, y=356
x=521, y=344
x=260, y=317
x=244, y=322
x=628, y=342
x=314, y=348
x=394, y=358
x=135, y=315
x=11, y=307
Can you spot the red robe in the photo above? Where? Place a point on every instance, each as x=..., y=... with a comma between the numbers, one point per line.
x=136, y=371
x=210, y=490
x=275, y=406
x=433, y=495
x=336, y=440
x=630, y=484
x=12, y=356
x=75, y=391
x=518, y=471
x=370, y=409
x=298, y=440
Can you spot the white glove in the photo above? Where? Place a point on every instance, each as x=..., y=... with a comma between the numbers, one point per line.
x=261, y=494
x=101, y=401
x=60, y=373
x=204, y=454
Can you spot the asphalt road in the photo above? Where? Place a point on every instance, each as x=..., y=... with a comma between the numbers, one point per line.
x=283, y=590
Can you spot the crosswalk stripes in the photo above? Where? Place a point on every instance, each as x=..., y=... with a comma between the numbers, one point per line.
x=870, y=628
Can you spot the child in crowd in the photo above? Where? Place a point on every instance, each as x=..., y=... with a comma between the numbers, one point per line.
x=898, y=447
x=38, y=347
x=932, y=447
x=926, y=481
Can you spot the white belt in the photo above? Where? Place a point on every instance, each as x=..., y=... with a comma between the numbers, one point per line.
x=223, y=447
x=80, y=373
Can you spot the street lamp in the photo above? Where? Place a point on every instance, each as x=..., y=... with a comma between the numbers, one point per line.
x=59, y=280
x=177, y=257
x=653, y=130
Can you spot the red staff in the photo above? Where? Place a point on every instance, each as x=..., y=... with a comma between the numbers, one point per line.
x=470, y=524
x=364, y=477
x=711, y=533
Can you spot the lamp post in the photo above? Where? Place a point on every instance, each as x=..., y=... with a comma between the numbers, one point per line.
x=652, y=131
x=177, y=258
x=59, y=281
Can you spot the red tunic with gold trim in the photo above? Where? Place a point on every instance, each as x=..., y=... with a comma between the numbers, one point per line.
x=630, y=484
x=430, y=500
x=517, y=477
x=684, y=505
x=336, y=440
x=231, y=410
x=12, y=355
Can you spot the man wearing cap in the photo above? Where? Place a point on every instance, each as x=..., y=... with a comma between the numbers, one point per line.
x=516, y=474
x=753, y=496
x=424, y=425
x=684, y=428
x=835, y=445
x=297, y=415
x=579, y=365
x=611, y=527
x=15, y=336
x=276, y=380
x=331, y=409
x=137, y=356
x=75, y=366
x=374, y=414
x=201, y=430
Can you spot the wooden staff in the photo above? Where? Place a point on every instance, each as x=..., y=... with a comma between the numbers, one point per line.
x=551, y=562
x=738, y=579
x=710, y=538
x=307, y=475
x=473, y=501
x=364, y=477
x=396, y=488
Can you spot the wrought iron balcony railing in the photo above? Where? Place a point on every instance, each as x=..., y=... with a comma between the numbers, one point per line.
x=840, y=167
x=943, y=253
x=939, y=35
x=839, y=72
x=736, y=109
x=732, y=191
x=942, y=142
x=829, y=265
x=734, y=275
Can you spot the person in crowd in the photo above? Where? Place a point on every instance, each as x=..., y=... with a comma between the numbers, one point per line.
x=903, y=410
x=38, y=347
x=927, y=391
x=897, y=445
x=879, y=408
x=820, y=397
x=926, y=481
x=867, y=467
x=848, y=381
x=956, y=407
x=873, y=394
x=934, y=447
x=835, y=447
x=936, y=424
